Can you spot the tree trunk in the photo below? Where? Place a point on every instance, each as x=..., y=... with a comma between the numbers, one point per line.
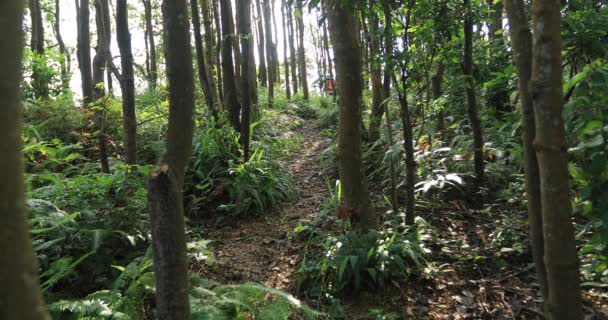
x=330, y=66
x=165, y=200
x=218, y=52
x=203, y=75
x=561, y=258
x=244, y=24
x=263, y=77
x=388, y=48
x=19, y=286
x=285, y=48
x=377, y=109
x=301, y=51
x=235, y=48
x=292, y=49
x=151, y=44
x=39, y=83
x=63, y=52
x=210, y=54
x=437, y=91
x=127, y=84
x=84, y=51
x=99, y=64
x=348, y=66
x=269, y=51
x=275, y=43
x=471, y=97
x=230, y=92
x=521, y=39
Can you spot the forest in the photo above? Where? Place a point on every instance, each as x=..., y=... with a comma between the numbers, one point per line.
x=303, y=159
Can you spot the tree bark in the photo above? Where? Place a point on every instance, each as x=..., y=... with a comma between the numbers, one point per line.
x=437, y=91
x=263, y=77
x=39, y=83
x=231, y=101
x=84, y=51
x=561, y=260
x=471, y=97
x=292, y=49
x=151, y=44
x=377, y=109
x=269, y=51
x=347, y=52
x=210, y=53
x=218, y=53
x=100, y=62
x=275, y=43
x=63, y=52
x=165, y=199
x=20, y=296
x=203, y=75
x=521, y=39
x=127, y=84
x=285, y=49
x=244, y=24
x=301, y=51
x=388, y=47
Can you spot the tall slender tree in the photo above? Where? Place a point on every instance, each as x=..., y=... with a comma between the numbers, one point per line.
x=271, y=63
x=231, y=102
x=127, y=82
x=165, y=182
x=560, y=254
x=65, y=59
x=153, y=76
x=210, y=52
x=347, y=52
x=20, y=296
x=301, y=49
x=472, y=111
x=100, y=62
x=203, y=75
x=285, y=46
x=84, y=50
x=261, y=45
x=218, y=52
x=377, y=109
x=293, y=61
x=244, y=24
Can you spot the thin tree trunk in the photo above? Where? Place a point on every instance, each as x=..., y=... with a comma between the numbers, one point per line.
x=99, y=63
x=521, y=39
x=218, y=52
x=235, y=47
x=63, y=52
x=165, y=199
x=203, y=75
x=210, y=54
x=39, y=84
x=471, y=97
x=348, y=66
x=388, y=48
x=330, y=65
x=244, y=24
x=285, y=49
x=561, y=260
x=269, y=51
x=377, y=109
x=19, y=286
x=275, y=43
x=127, y=84
x=231, y=101
x=263, y=77
x=151, y=44
x=436, y=91
x=292, y=49
x=301, y=51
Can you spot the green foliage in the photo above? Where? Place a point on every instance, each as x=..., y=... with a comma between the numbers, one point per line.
x=587, y=120
x=102, y=221
x=354, y=261
x=42, y=76
x=213, y=301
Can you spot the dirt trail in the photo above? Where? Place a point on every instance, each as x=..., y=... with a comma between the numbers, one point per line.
x=261, y=249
